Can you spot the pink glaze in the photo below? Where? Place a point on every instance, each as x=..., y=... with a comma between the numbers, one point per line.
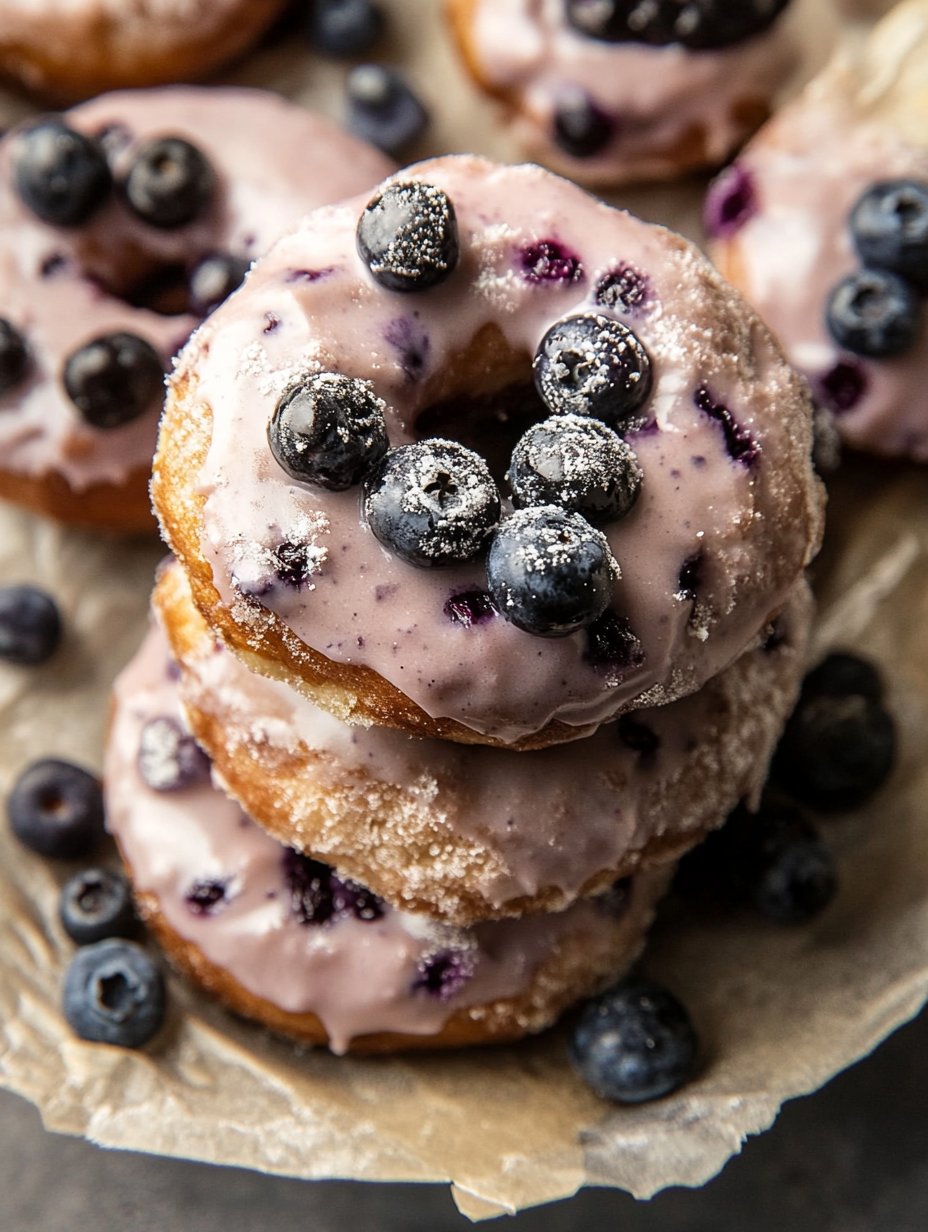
x=355, y=975
x=755, y=520
x=657, y=97
x=273, y=160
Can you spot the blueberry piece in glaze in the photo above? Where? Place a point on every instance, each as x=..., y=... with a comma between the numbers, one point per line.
x=550, y=572
x=874, y=313
x=328, y=431
x=30, y=625
x=739, y=444
x=445, y=973
x=345, y=27
x=310, y=885
x=842, y=387
x=549, y=261
x=578, y=464
x=593, y=365
x=351, y=898
x=699, y=25
x=114, y=379
x=213, y=280
x=383, y=109
x=96, y=903
x=690, y=578
x=432, y=503
x=612, y=648
x=624, y=289
x=889, y=226
x=59, y=174
x=409, y=339
x=730, y=202
x=295, y=564
x=170, y=183
x=169, y=758
x=408, y=237
x=114, y=994
x=55, y=808
x=14, y=357
x=634, y=1043
x=206, y=896
x=581, y=128
x=469, y=608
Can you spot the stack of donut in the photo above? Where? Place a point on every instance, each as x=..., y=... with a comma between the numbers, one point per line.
x=490, y=508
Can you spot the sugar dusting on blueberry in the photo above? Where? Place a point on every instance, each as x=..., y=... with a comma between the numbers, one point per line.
x=408, y=236
x=593, y=365
x=623, y=289
x=445, y=973
x=169, y=758
x=550, y=261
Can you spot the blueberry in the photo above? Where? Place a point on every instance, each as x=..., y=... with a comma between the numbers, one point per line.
x=549, y=572
x=408, y=237
x=577, y=464
x=96, y=904
x=634, y=1043
x=581, y=129
x=624, y=289
x=351, y=898
x=310, y=884
x=841, y=674
x=612, y=648
x=114, y=994
x=549, y=261
x=696, y=24
x=61, y=175
x=56, y=809
x=593, y=365
x=206, y=896
x=689, y=579
x=730, y=202
x=30, y=625
x=841, y=388
x=382, y=109
x=328, y=431
x=295, y=563
x=213, y=280
x=114, y=379
x=739, y=444
x=889, y=225
x=837, y=750
x=14, y=357
x=874, y=313
x=345, y=27
x=170, y=183
x=169, y=758
x=469, y=607
x=445, y=973
x=433, y=503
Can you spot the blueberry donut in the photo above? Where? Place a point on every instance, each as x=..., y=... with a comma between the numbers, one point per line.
x=69, y=49
x=122, y=223
x=285, y=940
x=481, y=458
x=615, y=90
x=823, y=224
x=467, y=832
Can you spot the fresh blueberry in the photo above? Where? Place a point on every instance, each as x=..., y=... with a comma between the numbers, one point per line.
x=739, y=444
x=874, y=313
x=623, y=289
x=96, y=904
x=61, y=175
x=213, y=280
x=114, y=379
x=14, y=357
x=56, y=809
x=433, y=503
x=169, y=758
x=408, y=237
x=30, y=625
x=382, y=109
x=841, y=675
x=549, y=572
x=549, y=261
x=730, y=202
x=581, y=129
x=170, y=183
x=699, y=25
x=593, y=365
x=345, y=27
x=328, y=431
x=837, y=750
x=445, y=973
x=578, y=464
x=889, y=225
x=612, y=648
x=114, y=994
x=634, y=1043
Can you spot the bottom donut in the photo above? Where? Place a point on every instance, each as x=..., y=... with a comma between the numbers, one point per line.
x=282, y=939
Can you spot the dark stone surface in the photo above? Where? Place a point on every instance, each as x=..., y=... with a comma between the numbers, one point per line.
x=851, y=1158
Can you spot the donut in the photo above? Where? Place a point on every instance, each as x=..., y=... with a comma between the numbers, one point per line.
x=823, y=224
x=402, y=588
x=123, y=43
x=468, y=832
x=102, y=284
x=609, y=92
x=282, y=939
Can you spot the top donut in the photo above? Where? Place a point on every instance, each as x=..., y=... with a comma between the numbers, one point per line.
x=346, y=440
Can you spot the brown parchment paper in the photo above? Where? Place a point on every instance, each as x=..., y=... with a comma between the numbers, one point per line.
x=779, y=1011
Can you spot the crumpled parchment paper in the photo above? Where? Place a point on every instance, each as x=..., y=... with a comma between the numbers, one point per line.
x=779, y=1010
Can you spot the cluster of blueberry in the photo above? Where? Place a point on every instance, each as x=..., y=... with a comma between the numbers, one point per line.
x=876, y=311
x=435, y=502
x=64, y=178
x=698, y=25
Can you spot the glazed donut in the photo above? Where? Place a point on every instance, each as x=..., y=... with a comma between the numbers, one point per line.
x=467, y=832
x=709, y=507
x=609, y=92
x=799, y=225
x=282, y=939
x=69, y=49
x=78, y=417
